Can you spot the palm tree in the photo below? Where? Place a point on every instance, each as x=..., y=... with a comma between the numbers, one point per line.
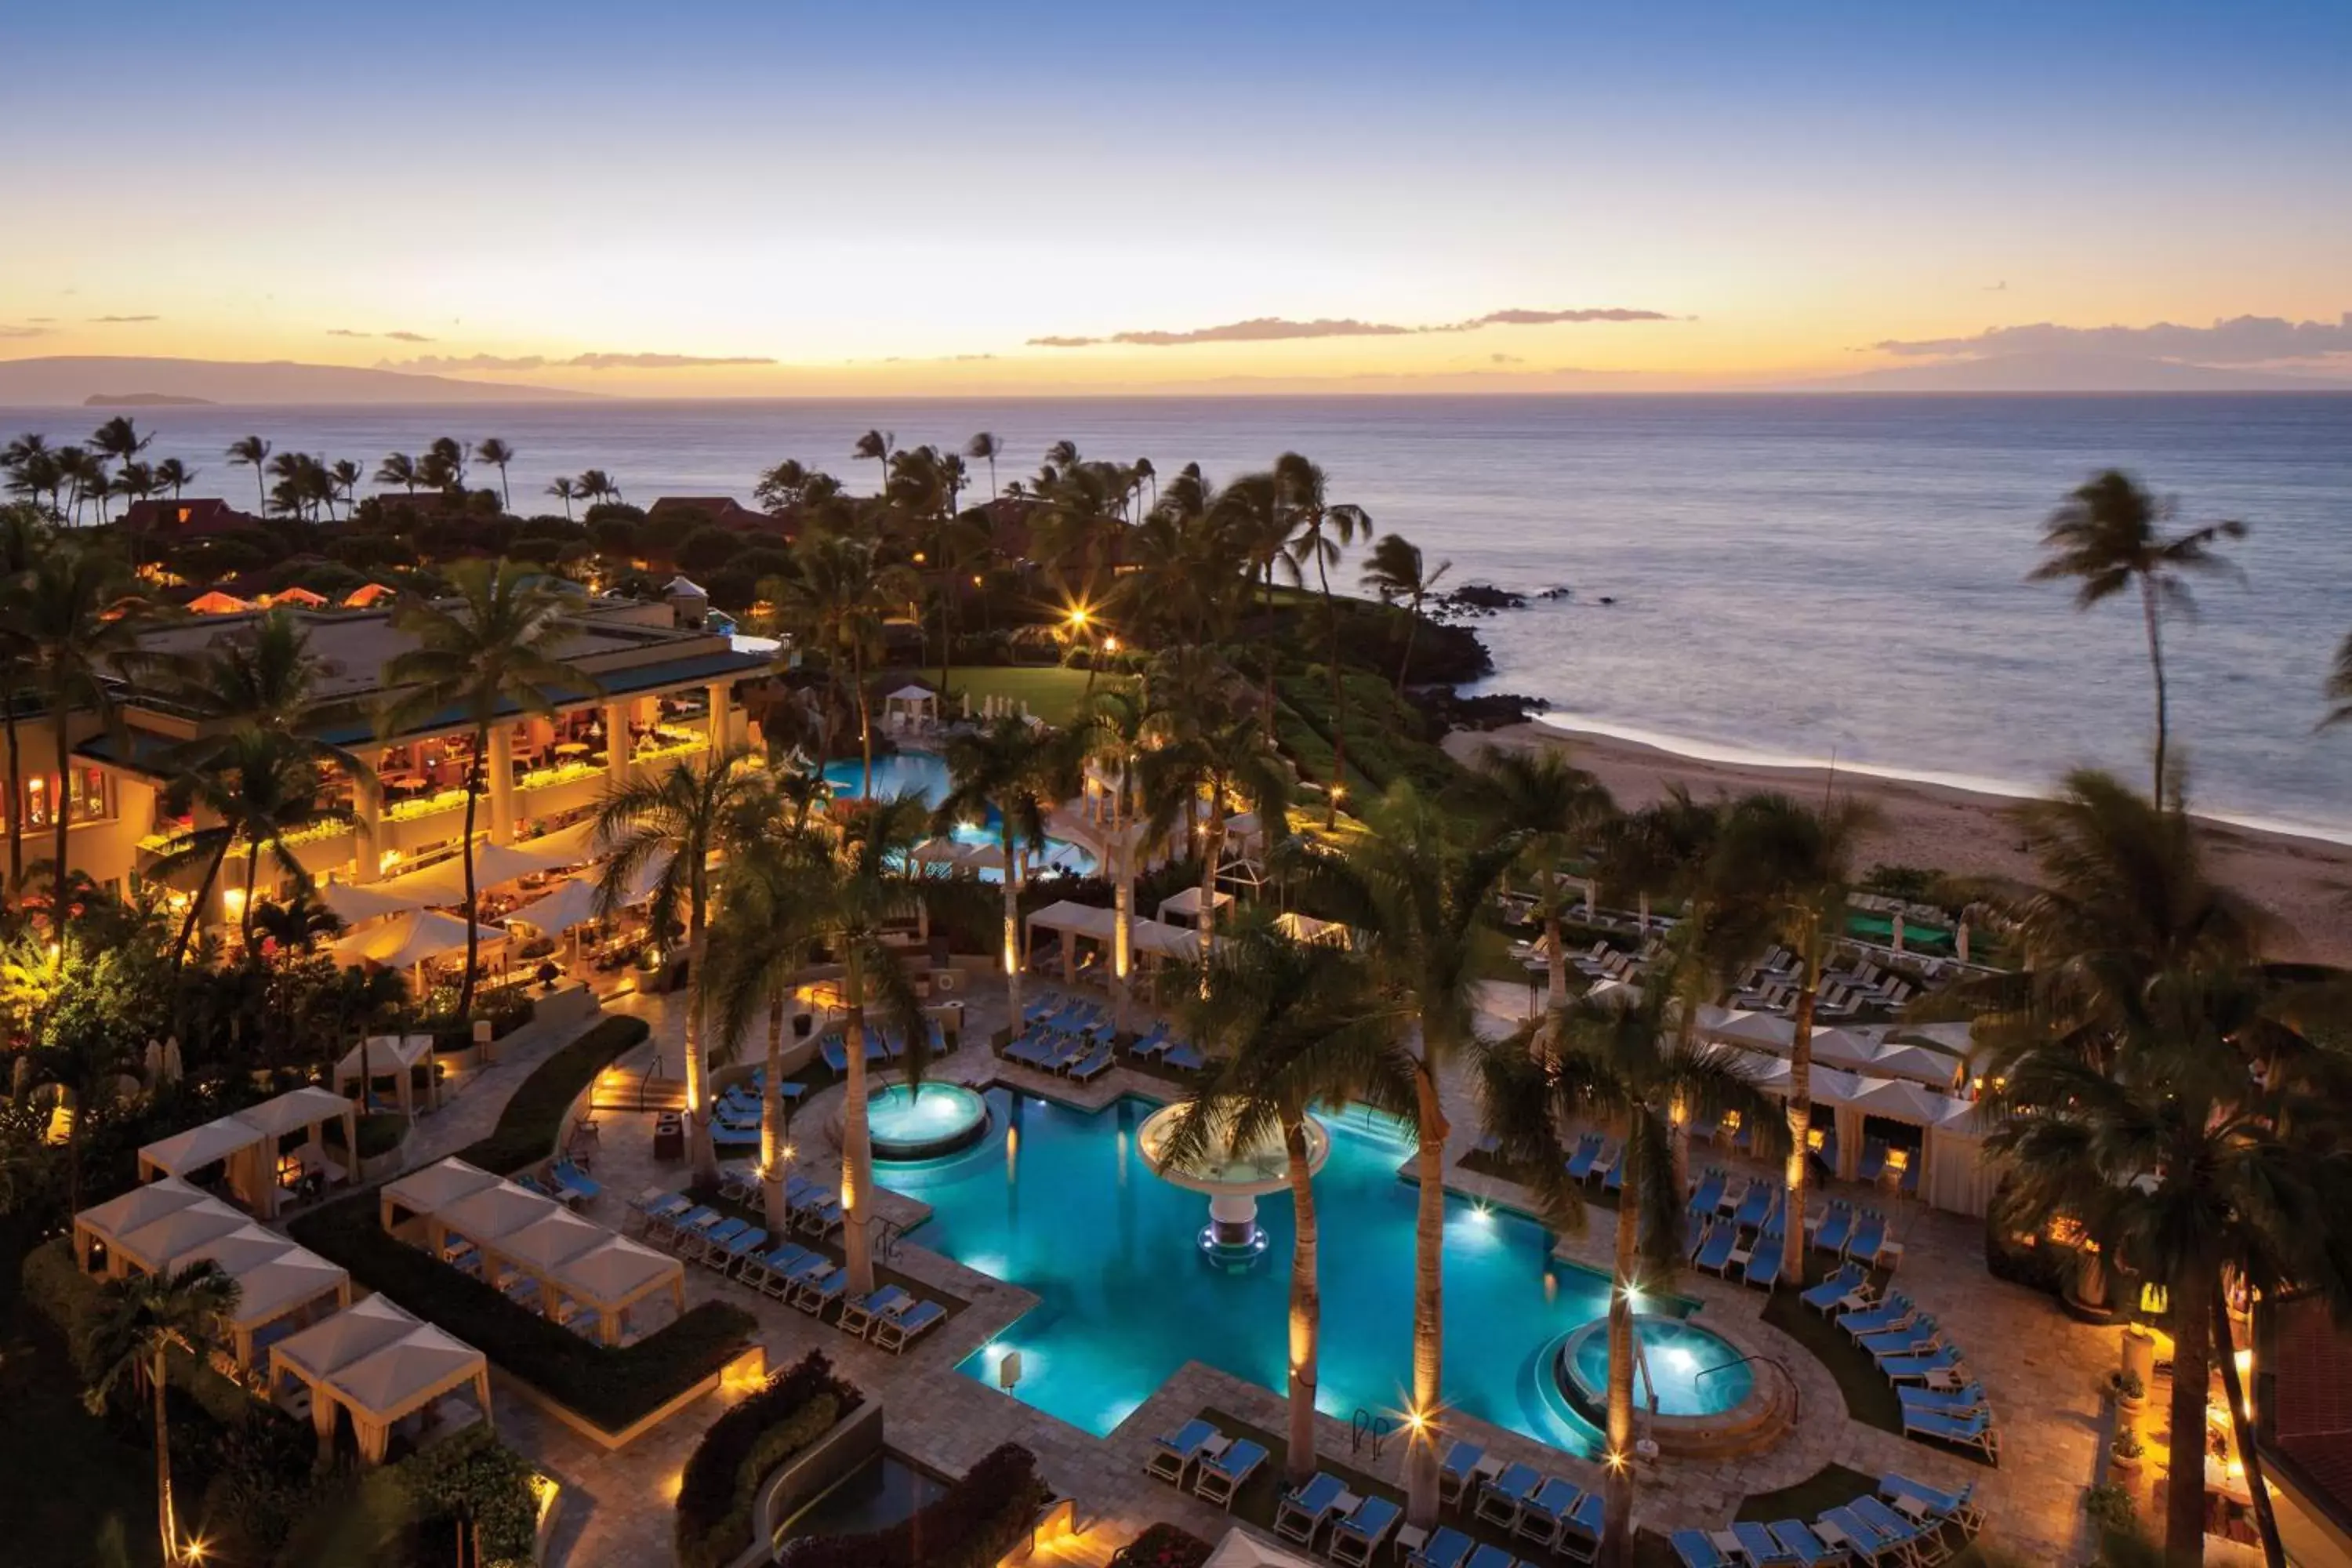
x=1118, y=728
x=495, y=650
x=675, y=822
x=119, y=441
x=1415, y=901
x=260, y=789
x=175, y=475
x=877, y=446
x=497, y=454
x=1537, y=792
x=2107, y=538
x=1208, y=747
x=24, y=537
x=399, y=469
x=1323, y=530
x=251, y=452
x=140, y=1322
x=565, y=491
x=838, y=597
x=595, y=484
x=986, y=444
x=345, y=476
x=1291, y=1024
x=2339, y=685
x=81, y=618
x=1398, y=573
x=1622, y=1065
x=446, y=456
x=1784, y=866
x=1021, y=774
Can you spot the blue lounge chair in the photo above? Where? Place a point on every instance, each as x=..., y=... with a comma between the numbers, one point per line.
x=1824, y=1297
x=1796, y=1538
x=1763, y=1269
x=1836, y=1226
x=1588, y=1153
x=1696, y=1550
x=1184, y=1057
x=1869, y=1238
x=1300, y=1516
x=812, y=1293
x=1756, y=1545
x=1715, y=1251
x=1221, y=1476
x=1893, y=1312
x=568, y=1174
x=1776, y=1223
x=726, y=1256
x=1892, y=1526
x=1709, y=1197
x=1172, y=1454
x=1448, y=1548
x=895, y=1332
x=699, y=1243
x=1500, y=1498
x=1755, y=1205
x=1546, y=1510
x=1965, y=1400
x=1492, y=1557
x=1919, y=1368
x=1356, y=1538
x=1916, y=1337
x=1960, y=1431
x=1844, y=1528
x=1098, y=1063
x=1959, y=1507
x=1873, y=1160
x=726, y=1137
x=858, y=1312
x=1580, y=1535
x=1454, y=1471
x=1614, y=1181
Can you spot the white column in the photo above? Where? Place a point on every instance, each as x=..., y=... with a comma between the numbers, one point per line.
x=502, y=792
x=616, y=744
x=722, y=723
x=367, y=855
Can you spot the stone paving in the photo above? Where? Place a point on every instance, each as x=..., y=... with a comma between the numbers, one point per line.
x=2039, y=1366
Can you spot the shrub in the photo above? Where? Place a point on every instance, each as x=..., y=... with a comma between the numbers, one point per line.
x=2126, y=1443
x=1162, y=1546
x=975, y=1523
x=612, y=1387
x=721, y=1483
x=54, y=1283
x=380, y=1133
x=526, y=1127
x=2110, y=1508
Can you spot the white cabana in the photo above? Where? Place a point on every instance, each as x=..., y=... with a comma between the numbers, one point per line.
x=279, y=1291
x=409, y=940
x=354, y=904
x=1186, y=906
x=305, y=1111
x=1919, y=1064
x=1757, y=1031
x=613, y=1275
x=150, y=1248
x=394, y=1056
x=1898, y=1099
x=1843, y=1048
x=573, y=902
x=1307, y=928
x=1162, y=941
x=574, y=844
x=102, y=1224
x=1242, y=1550
x=233, y=1252
x=1957, y=1177
x=217, y=1140
x=308, y=1357
x=387, y=1384
x=911, y=705
x=536, y=1247
x=429, y=1190
x=485, y=1215
x=1072, y=922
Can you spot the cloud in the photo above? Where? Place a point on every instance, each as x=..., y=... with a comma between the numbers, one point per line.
x=24, y=331
x=122, y=320
x=1279, y=329
x=447, y=363
x=2242, y=340
x=1504, y=359
x=408, y=337
x=347, y=332
x=2000, y=288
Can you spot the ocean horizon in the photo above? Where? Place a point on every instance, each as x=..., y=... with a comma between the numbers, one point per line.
x=1785, y=578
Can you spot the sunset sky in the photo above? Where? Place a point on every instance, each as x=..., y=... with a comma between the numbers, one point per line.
x=909, y=197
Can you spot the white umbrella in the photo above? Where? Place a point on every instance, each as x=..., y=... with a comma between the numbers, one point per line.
x=353, y=904
x=409, y=940
x=572, y=903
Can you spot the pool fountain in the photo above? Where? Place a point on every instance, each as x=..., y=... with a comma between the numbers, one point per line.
x=1233, y=1178
x=907, y=1122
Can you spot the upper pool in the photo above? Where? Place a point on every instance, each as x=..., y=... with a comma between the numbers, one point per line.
x=927, y=771
x=1058, y=1202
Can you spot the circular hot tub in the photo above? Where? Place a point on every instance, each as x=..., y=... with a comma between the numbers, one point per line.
x=909, y=1123
x=1697, y=1394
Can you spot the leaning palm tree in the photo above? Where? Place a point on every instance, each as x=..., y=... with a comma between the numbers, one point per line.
x=1397, y=571
x=1290, y=1024
x=1556, y=806
x=140, y=1322
x=254, y=791
x=565, y=490
x=497, y=454
x=175, y=475
x=876, y=447
x=1628, y=1066
x=596, y=485
x=2107, y=538
x=1020, y=774
x=1415, y=898
x=346, y=476
x=252, y=452
x=838, y=597
x=82, y=616
x=986, y=444
x=1208, y=752
x=668, y=827
x=399, y=469
x=494, y=648
x=24, y=538
x=1323, y=529
x=1783, y=866
x=1117, y=730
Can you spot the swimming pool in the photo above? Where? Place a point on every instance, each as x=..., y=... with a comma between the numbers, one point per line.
x=908, y=1123
x=1058, y=1202
x=927, y=772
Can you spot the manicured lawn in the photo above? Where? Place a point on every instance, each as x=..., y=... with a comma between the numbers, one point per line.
x=1831, y=1486
x=1053, y=694
x=1869, y=1398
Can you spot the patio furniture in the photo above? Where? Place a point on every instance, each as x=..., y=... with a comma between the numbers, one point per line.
x=1796, y=1538
x=1364, y=1531
x=1499, y=1498
x=1301, y=1515
x=895, y=1332
x=1454, y=1473
x=1449, y=1548
x=1222, y=1475
x=858, y=1312
x=1173, y=1453
x=1696, y=1550
x=1546, y=1510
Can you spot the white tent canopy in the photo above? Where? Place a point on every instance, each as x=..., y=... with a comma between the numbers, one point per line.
x=1241, y=1550
x=612, y=1275
x=209, y=1144
x=1079, y=919
x=400, y=1378
x=297, y=1110
x=1187, y=904
x=1167, y=941
x=445, y=882
x=548, y=1240
x=268, y=1290
x=152, y=1246
x=1899, y=1101
x=354, y=903
x=572, y=903
x=394, y=1056
x=105, y=1224
x=337, y=1342
x=417, y=937
x=492, y=1213
x=431, y=1189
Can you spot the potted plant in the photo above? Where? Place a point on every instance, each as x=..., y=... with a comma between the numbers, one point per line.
x=2127, y=1391
x=548, y=975
x=2124, y=1454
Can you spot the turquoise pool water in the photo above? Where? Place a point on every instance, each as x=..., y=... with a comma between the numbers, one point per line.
x=1691, y=1371
x=904, y=1121
x=927, y=772
x=1058, y=1202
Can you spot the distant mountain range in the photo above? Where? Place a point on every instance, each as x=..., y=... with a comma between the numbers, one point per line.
x=2063, y=371
x=108, y=381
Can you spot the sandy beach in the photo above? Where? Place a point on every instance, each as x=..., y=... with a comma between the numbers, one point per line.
x=2304, y=884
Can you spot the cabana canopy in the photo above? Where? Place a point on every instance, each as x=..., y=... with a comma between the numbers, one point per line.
x=403, y=1377
x=209, y=1144
x=353, y=903
x=493, y=1213
x=1188, y=904
x=1164, y=940
x=297, y=1110
x=431, y=1189
x=1307, y=928
x=152, y=1246
x=385, y=1056
x=1076, y=920
x=1918, y=1063
x=615, y=1272
x=548, y=1240
x=234, y=1252
x=444, y=884
x=572, y=903
x=409, y=940
x=1898, y=1099
x=337, y=1342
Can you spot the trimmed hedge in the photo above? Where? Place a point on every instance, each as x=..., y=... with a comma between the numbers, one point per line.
x=526, y=1127
x=736, y=1454
x=612, y=1387
x=974, y=1523
x=56, y=1286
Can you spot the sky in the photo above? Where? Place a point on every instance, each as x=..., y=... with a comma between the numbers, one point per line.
x=702, y=198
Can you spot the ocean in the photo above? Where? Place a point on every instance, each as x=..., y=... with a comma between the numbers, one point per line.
x=1786, y=578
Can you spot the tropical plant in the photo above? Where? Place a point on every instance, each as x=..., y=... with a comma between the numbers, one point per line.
x=1290, y=1024
x=24, y=537
x=1116, y=730
x=344, y=476
x=255, y=789
x=838, y=597
x=985, y=446
x=1021, y=772
x=444, y=461
x=175, y=476
x=1207, y=752
x=399, y=469
x=495, y=648
x=1623, y=1065
x=876, y=447
x=1554, y=806
x=596, y=485
x=82, y=616
x=2108, y=537
x=565, y=490
x=140, y=1321
x=497, y=454
x=670, y=826
x=1322, y=529
x=1398, y=573
x=1414, y=895
x=252, y=452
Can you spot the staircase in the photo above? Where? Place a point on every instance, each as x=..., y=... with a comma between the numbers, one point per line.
x=619, y=1090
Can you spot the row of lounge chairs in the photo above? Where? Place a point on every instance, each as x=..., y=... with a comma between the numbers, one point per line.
x=1081, y=1056
x=1940, y=1398
x=566, y=1182
x=1211, y=1464
x=1857, y=1233
x=736, y=1117
x=882, y=1045
x=1554, y=1513
x=1904, y=1521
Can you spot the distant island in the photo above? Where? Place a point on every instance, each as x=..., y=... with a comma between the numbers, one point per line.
x=144, y=400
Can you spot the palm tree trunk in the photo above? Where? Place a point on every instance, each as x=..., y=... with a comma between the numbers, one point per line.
x=1305, y=1309
x=59, y=816
x=1339, y=701
x=2156, y=663
x=772, y=1117
x=1122, y=933
x=865, y=722
x=15, y=812
x=196, y=908
x=1800, y=1117
x=1555, y=964
x=1428, y=1302
x=245, y=915
x=856, y=1145
x=1011, y=920
x=473, y=906
x=699, y=1152
x=1411, y=630
x=164, y=1522
x=1212, y=847
x=2192, y=1350
x=2242, y=1425
x=1617, y=1474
